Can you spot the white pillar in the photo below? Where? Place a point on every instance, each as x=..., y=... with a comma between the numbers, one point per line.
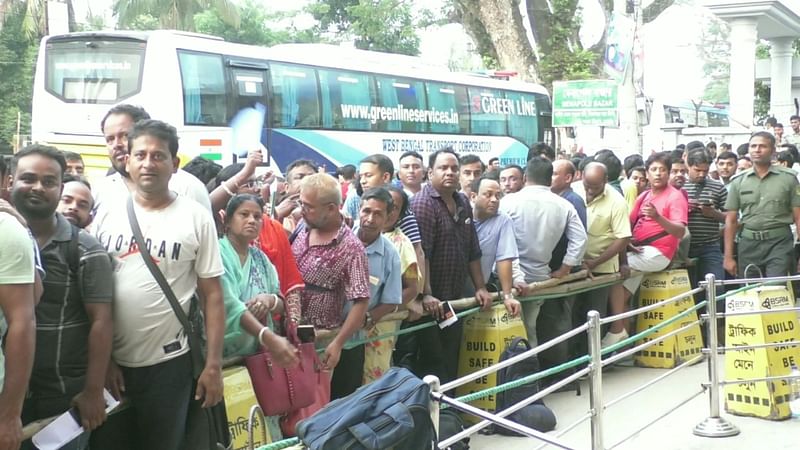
x=742, y=81
x=780, y=99
x=630, y=130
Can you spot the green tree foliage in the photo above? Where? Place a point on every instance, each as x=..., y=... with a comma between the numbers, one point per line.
x=92, y=22
x=565, y=59
x=17, y=62
x=254, y=28
x=554, y=24
x=143, y=22
x=332, y=14
x=381, y=25
x=761, y=102
x=714, y=49
x=384, y=25
x=34, y=20
x=172, y=14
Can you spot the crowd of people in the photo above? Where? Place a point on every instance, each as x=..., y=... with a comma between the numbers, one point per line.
x=261, y=255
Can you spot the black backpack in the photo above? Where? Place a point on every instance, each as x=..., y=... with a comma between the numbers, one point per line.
x=522, y=369
x=536, y=415
x=450, y=424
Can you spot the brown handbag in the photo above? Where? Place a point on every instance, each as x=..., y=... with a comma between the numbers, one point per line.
x=280, y=391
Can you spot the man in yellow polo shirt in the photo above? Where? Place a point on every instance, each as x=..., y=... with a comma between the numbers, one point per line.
x=609, y=231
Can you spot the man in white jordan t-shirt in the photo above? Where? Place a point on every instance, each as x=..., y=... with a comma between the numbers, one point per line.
x=151, y=361
x=115, y=187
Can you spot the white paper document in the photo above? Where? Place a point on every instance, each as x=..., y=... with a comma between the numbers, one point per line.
x=66, y=427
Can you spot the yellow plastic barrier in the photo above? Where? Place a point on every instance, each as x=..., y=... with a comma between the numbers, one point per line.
x=486, y=335
x=657, y=287
x=768, y=400
x=239, y=398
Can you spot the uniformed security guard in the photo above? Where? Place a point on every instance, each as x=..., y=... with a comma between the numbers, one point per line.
x=768, y=198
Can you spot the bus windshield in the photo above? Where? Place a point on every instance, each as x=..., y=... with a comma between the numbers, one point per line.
x=88, y=70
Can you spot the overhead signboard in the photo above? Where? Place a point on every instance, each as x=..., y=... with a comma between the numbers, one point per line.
x=585, y=103
x=619, y=45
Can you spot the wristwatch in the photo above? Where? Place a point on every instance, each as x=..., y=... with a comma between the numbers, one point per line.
x=368, y=323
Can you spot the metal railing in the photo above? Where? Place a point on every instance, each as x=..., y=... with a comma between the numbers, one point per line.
x=714, y=425
x=598, y=358
x=594, y=370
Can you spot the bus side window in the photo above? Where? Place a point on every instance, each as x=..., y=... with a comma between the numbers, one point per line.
x=453, y=103
x=294, y=96
x=523, y=120
x=488, y=111
x=401, y=99
x=347, y=100
x=204, y=99
x=249, y=86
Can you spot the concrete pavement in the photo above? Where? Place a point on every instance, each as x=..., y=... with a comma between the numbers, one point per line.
x=673, y=432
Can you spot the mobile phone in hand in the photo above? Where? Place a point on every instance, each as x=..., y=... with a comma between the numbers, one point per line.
x=306, y=333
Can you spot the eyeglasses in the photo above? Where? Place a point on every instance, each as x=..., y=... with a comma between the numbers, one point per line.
x=308, y=206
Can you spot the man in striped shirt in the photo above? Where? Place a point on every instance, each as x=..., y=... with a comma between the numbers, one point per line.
x=706, y=212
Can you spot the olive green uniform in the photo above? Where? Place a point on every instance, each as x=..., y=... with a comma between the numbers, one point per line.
x=766, y=212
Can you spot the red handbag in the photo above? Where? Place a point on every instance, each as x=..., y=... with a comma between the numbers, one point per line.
x=280, y=391
x=322, y=396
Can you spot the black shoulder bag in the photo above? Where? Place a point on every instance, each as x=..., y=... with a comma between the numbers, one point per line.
x=206, y=428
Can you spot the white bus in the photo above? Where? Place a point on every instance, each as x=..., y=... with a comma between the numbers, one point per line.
x=325, y=103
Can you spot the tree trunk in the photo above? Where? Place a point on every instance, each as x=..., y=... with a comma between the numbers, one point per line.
x=501, y=23
x=73, y=26
x=538, y=18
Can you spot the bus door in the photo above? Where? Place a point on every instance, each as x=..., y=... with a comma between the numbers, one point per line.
x=249, y=86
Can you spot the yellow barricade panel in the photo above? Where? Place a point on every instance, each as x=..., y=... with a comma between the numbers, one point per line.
x=657, y=287
x=239, y=398
x=486, y=335
x=768, y=400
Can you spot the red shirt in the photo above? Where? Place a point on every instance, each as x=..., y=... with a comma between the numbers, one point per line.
x=272, y=240
x=671, y=204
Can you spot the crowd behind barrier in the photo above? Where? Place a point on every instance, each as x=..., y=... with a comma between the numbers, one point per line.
x=712, y=427
x=353, y=266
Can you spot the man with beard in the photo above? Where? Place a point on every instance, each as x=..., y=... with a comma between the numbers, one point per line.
x=73, y=318
x=116, y=187
x=512, y=179
x=76, y=201
x=706, y=213
x=678, y=171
